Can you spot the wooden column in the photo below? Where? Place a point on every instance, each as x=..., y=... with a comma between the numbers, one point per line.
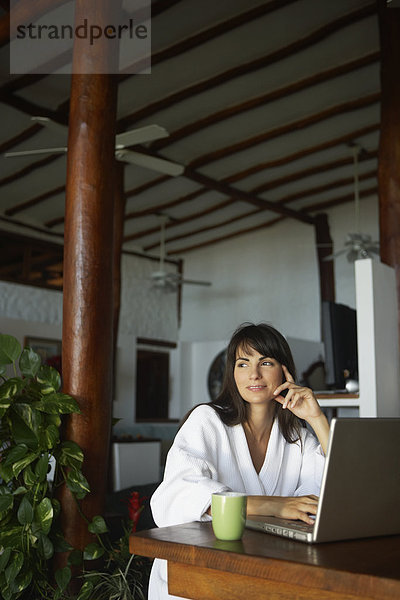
x=119, y=214
x=389, y=146
x=88, y=264
x=324, y=248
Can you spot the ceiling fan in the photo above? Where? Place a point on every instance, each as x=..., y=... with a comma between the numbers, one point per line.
x=169, y=281
x=122, y=142
x=357, y=245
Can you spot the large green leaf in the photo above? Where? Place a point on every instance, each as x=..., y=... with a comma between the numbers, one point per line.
x=49, y=379
x=56, y=507
x=86, y=590
x=6, y=473
x=70, y=455
x=50, y=437
x=59, y=542
x=78, y=484
x=41, y=467
x=20, y=465
x=25, y=512
x=98, y=525
x=63, y=577
x=75, y=558
x=12, y=536
x=8, y=391
x=14, y=566
x=29, y=362
x=22, y=581
x=6, y=502
x=4, y=558
x=24, y=424
x=16, y=453
x=93, y=551
x=10, y=349
x=45, y=546
x=57, y=403
x=29, y=477
x=44, y=514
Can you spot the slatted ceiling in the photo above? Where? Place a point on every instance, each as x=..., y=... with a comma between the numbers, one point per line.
x=331, y=177
x=205, y=61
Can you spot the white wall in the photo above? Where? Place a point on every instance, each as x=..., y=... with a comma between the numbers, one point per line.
x=270, y=275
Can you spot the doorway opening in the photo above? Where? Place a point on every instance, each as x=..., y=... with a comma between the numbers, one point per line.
x=152, y=385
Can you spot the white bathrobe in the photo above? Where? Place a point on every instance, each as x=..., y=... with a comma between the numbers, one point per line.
x=208, y=456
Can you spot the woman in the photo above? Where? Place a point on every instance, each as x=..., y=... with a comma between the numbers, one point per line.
x=249, y=440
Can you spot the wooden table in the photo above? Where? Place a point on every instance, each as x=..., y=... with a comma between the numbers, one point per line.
x=266, y=566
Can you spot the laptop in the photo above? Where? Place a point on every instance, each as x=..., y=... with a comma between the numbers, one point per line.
x=360, y=493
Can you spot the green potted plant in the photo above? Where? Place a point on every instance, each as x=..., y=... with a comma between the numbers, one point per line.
x=34, y=460
x=31, y=411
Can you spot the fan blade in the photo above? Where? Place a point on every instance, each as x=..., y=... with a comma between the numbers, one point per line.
x=334, y=255
x=139, y=136
x=174, y=279
x=52, y=125
x=150, y=162
x=37, y=151
x=195, y=282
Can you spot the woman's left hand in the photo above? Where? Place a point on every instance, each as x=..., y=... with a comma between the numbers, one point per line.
x=301, y=401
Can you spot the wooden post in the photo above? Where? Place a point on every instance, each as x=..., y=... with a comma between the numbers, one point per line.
x=88, y=264
x=324, y=248
x=389, y=146
x=119, y=214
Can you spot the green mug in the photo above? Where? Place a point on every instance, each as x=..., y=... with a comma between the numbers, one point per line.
x=228, y=511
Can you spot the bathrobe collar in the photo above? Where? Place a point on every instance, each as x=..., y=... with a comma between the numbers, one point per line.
x=265, y=482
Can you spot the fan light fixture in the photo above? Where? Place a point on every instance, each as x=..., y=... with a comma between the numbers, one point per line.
x=357, y=245
x=164, y=280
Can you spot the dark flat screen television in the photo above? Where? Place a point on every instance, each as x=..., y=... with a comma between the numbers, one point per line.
x=339, y=335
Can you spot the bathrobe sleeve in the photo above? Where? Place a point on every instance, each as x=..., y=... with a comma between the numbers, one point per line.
x=191, y=471
x=312, y=467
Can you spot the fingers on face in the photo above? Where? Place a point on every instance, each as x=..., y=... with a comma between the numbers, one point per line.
x=287, y=374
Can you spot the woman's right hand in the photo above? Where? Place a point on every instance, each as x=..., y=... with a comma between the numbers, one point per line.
x=299, y=507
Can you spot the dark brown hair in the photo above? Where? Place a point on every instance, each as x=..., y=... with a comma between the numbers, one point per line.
x=266, y=340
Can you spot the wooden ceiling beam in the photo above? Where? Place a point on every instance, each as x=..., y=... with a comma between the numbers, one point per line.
x=299, y=154
x=44, y=162
x=266, y=136
x=29, y=203
x=32, y=109
x=239, y=109
x=239, y=194
x=160, y=6
x=228, y=236
x=207, y=228
x=246, y=68
x=326, y=187
x=311, y=208
x=21, y=137
x=159, y=208
x=322, y=167
x=206, y=35
x=340, y=200
x=175, y=223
